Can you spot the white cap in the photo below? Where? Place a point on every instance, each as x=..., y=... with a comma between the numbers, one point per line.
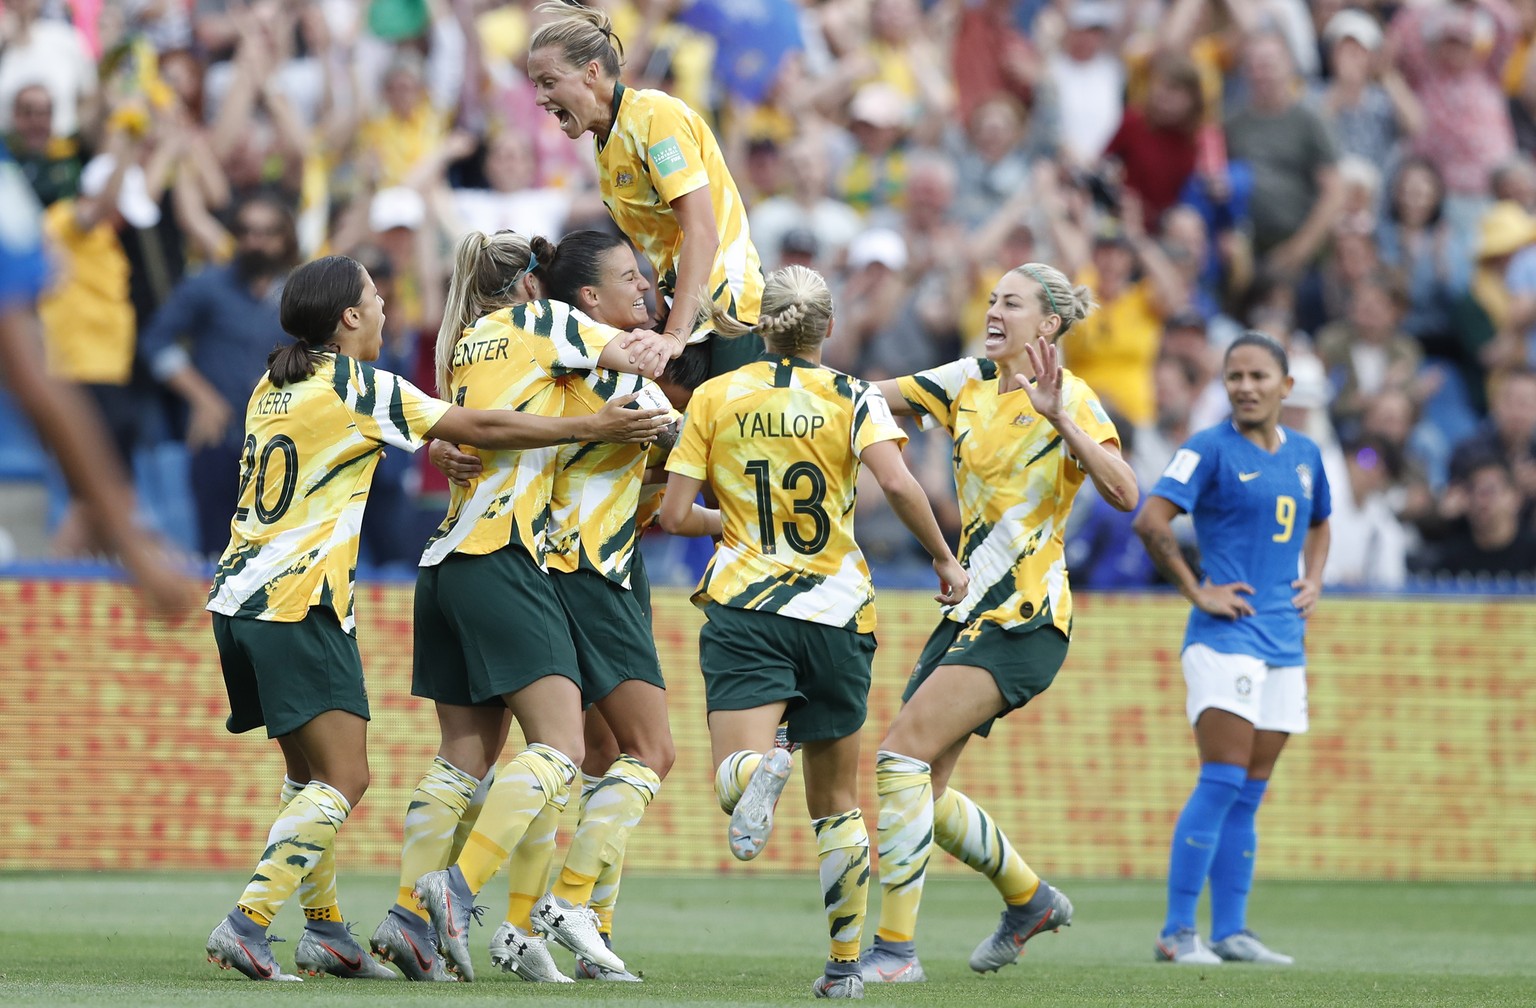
x=880, y=105
x=133, y=200
x=1354, y=24
x=396, y=207
x=1093, y=14
x=878, y=245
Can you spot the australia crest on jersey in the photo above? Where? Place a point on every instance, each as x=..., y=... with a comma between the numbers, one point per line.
x=624, y=178
x=1304, y=473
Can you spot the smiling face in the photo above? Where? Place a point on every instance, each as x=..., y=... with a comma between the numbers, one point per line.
x=619, y=300
x=570, y=93
x=1255, y=387
x=1014, y=320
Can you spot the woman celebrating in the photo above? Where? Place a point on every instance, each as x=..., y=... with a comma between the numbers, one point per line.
x=790, y=613
x=661, y=174
x=282, y=595
x=502, y=347
x=1026, y=432
x=1260, y=503
x=598, y=576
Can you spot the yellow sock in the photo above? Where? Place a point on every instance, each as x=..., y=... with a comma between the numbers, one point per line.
x=471, y=815
x=304, y=830
x=905, y=829
x=732, y=775
x=317, y=893
x=609, y=813
x=439, y=801
x=528, y=782
x=528, y=870
x=261, y=919
x=964, y=829
x=842, y=845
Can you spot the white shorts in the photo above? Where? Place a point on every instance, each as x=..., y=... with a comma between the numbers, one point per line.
x=1272, y=697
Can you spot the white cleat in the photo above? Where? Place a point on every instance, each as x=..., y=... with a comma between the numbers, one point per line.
x=1246, y=947
x=752, y=819
x=1186, y=948
x=575, y=927
x=527, y=955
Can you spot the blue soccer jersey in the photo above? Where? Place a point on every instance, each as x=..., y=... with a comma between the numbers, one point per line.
x=1251, y=510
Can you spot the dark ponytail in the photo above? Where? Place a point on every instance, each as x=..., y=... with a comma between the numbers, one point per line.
x=314, y=297
x=575, y=263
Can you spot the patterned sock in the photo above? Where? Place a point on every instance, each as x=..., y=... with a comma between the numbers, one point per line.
x=967, y=832
x=732, y=775
x=905, y=829
x=1194, y=840
x=528, y=871
x=440, y=798
x=842, y=844
x=609, y=813
x=605, y=891
x=1232, y=868
x=471, y=815
x=317, y=893
x=530, y=780
x=304, y=830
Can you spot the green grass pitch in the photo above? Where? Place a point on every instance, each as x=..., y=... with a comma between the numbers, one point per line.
x=132, y=940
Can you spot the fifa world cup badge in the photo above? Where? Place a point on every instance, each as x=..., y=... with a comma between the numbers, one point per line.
x=1023, y=420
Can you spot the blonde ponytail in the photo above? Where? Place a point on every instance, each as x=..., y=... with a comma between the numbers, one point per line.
x=487, y=273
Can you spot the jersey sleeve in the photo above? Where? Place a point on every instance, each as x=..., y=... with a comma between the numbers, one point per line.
x=576, y=340
x=872, y=420
x=690, y=456
x=1322, y=497
x=932, y=393
x=1088, y=413
x=673, y=156
x=1189, y=471
x=391, y=410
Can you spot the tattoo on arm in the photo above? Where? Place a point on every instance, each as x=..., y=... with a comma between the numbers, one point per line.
x=1164, y=550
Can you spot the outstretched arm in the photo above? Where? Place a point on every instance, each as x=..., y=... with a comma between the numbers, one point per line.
x=910, y=502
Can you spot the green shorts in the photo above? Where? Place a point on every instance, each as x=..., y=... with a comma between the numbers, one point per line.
x=611, y=632
x=487, y=626
x=1023, y=663
x=284, y=675
x=752, y=658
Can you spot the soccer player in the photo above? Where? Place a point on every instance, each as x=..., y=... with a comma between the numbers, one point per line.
x=1026, y=434
x=663, y=178
x=489, y=633
x=1260, y=504
x=316, y=425
x=599, y=577
x=790, y=613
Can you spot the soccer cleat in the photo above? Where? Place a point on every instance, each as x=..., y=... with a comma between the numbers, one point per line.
x=592, y=971
x=405, y=940
x=1048, y=910
x=752, y=820
x=527, y=955
x=1186, y=948
x=240, y=943
x=447, y=900
x=781, y=739
x=1244, y=946
x=329, y=947
x=575, y=927
x=892, y=962
x=844, y=987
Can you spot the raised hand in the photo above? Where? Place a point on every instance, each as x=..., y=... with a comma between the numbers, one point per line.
x=1045, y=391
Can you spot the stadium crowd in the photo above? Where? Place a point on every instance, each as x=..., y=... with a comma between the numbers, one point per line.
x=1356, y=182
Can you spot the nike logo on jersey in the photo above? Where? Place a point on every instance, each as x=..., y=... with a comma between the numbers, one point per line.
x=1245, y=477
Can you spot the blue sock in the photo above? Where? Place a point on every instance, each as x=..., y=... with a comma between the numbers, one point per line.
x=1194, y=840
x=1232, y=867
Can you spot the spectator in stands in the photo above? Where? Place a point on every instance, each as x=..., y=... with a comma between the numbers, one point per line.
x=1366, y=102
x=993, y=158
x=1088, y=78
x=878, y=118
x=408, y=129
x=807, y=206
x=1451, y=56
x=51, y=52
x=1102, y=549
x=1484, y=321
x=1297, y=193
x=51, y=164
x=209, y=344
x=1416, y=239
x=1366, y=352
x=1493, y=542
x=990, y=56
x=1370, y=545
x=512, y=198
x=1508, y=434
x=1155, y=145
x=1176, y=384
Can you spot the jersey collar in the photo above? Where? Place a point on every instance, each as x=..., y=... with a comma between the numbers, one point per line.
x=618, y=99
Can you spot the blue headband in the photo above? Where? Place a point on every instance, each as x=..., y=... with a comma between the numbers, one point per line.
x=533, y=264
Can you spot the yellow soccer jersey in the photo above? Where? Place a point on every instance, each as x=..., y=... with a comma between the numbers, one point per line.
x=1015, y=481
x=516, y=358
x=310, y=451
x=593, y=511
x=649, y=506
x=780, y=440
x=659, y=149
